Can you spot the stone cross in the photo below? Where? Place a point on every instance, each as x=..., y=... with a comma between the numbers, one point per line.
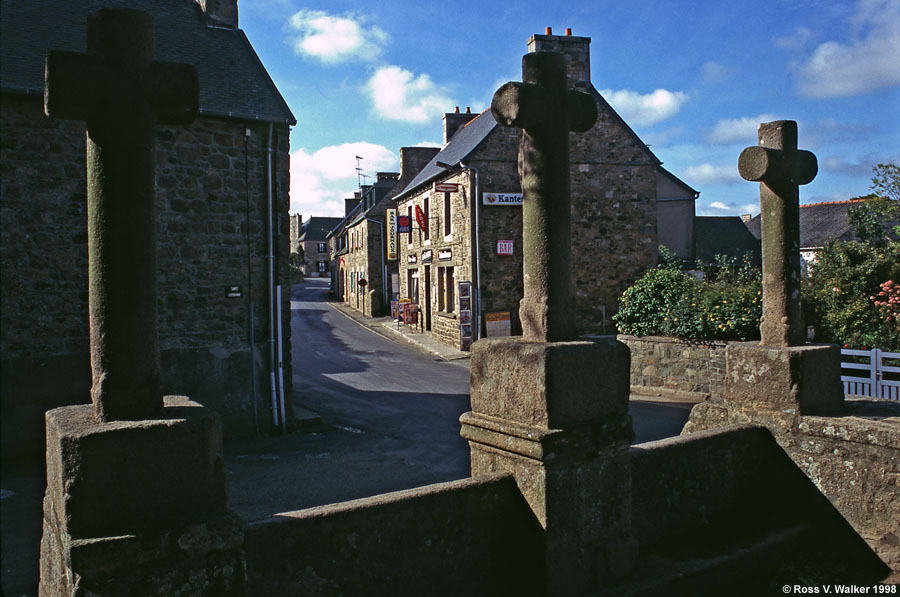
x=121, y=94
x=546, y=111
x=780, y=167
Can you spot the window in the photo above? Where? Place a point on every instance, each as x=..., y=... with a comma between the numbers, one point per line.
x=323, y=267
x=412, y=285
x=427, y=222
x=409, y=214
x=447, y=221
x=446, y=296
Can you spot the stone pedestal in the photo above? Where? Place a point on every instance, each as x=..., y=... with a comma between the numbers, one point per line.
x=555, y=415
x=138, y=507
x=796, y=379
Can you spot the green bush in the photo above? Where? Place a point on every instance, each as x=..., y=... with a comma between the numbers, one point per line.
x=725, y=305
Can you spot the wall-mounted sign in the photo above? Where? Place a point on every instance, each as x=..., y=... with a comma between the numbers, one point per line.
x=505, y=247
x=498, y=324
x=420, y=218
x=391, y=234
x=501, y=198
x=362, y=282
x=445, y=254
x=446, y=187
x=234, y=292
x=404, y=224
x=427, y=256
x=412, y=259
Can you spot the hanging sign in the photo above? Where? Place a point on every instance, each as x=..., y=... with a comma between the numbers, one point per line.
x=505, y=247
x=404, y=224
x=391, y=234
x=427, y=256
x=501, y=198
x=446, y=187
x=420, y=218
x=445, y=254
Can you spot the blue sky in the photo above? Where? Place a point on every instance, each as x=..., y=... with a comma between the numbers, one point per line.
x=692, y=79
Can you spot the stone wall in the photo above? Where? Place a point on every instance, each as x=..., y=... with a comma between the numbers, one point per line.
x=211, y=203
x=689, y=369
x=364, y=258
x=468, y=537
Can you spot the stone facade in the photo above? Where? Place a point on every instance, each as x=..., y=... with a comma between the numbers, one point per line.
x=211, y=203
x=614, y=219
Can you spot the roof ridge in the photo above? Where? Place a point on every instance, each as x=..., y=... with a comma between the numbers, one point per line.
x=846, y=201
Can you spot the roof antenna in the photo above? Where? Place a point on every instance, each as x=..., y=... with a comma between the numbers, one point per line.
x=359, y=175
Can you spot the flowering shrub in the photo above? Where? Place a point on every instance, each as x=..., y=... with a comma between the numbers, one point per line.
x=888, y=300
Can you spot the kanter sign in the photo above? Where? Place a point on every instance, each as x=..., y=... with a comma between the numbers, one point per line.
x=502, y=198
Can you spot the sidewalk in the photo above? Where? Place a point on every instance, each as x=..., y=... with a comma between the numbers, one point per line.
x=388, y=328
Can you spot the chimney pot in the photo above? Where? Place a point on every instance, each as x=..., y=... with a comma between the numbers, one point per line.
x=569, y=31
x=548, y=31
x=468, y=110
x=456, y=111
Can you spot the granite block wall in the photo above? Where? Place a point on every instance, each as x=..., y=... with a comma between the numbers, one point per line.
x=211, y=184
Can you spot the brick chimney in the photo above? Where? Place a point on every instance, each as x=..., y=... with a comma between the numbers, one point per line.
x=454, y=121
x=576, y=49
x=220, y=13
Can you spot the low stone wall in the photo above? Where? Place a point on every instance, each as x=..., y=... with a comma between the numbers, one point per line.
x=467, y=537
x=662, y=366
x=853, y=459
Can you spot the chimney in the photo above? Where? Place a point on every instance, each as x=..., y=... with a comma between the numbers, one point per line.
x=380, y=176
x=220, y=13
x=454, y=121
x=576, y=49
x=413, y=159
x=350, y=203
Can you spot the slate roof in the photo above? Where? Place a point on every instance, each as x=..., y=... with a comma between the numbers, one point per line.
x=464, y=142
x=315, y=228
x=233, y=82
x=724, y=235
x=819, y=223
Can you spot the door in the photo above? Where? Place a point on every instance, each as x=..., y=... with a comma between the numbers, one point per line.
x=427, y=297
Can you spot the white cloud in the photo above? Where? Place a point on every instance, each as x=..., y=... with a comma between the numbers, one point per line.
x=864, y=63
x=709, y=174
x=320, y=181
x=399, y=95
x=734, y=130
x=796, y=40
x=334, y=38
x=720, y=208
x=713, y=72
x=647, y=109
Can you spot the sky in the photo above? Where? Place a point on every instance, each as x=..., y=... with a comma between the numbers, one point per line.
x=693, y=79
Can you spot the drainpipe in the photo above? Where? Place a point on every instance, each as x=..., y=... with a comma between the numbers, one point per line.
x=477, y=199
x=270, y=282
x=383, y=270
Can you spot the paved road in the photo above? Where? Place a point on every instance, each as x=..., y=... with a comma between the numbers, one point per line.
x=390, y=418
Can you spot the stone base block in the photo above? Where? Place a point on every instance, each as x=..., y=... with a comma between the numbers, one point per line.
x=122, y=477
x=552, y=385
x=801, y=379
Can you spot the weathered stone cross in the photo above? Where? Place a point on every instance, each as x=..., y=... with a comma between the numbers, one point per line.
x=121, y=94
x=780, y=167
x=546, y=111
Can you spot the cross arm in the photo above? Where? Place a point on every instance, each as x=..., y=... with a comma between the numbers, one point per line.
x=765, y=164
x=173, y=90
x=582, y=111
x=72, y=84
x=522, y=105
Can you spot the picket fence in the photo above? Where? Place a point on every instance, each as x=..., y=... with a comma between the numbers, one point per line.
x=875, y=378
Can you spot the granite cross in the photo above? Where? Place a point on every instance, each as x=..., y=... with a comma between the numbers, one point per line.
x=780, y=167
x=547, y=111
x=122, y=94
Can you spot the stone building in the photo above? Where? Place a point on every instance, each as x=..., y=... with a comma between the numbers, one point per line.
x=312, y=244
x=465, y=206
x=222, y=200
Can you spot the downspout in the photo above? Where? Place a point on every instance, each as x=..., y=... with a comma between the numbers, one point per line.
x=477, y=199
x=383, y=271
x=270, y=281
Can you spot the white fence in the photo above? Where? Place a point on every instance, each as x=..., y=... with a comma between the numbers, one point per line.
x=875, y=378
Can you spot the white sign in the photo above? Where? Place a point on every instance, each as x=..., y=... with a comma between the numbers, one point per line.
x=501, y=198
x=446, y=187
x=504, y=247
x=391, y=234
x=498, y=324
